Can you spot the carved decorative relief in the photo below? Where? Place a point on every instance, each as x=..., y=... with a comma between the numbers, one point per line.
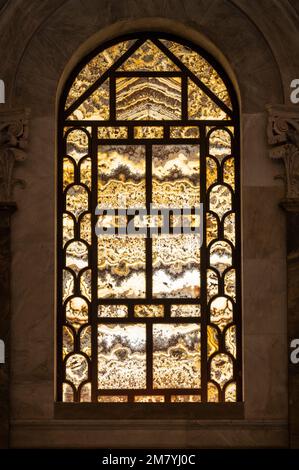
x=283, y=137
x=13, y=144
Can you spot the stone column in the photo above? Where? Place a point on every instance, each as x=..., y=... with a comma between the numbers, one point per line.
x=283, y=137
x=13, y=140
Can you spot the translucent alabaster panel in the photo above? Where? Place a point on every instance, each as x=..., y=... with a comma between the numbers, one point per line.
x=67, y=393
x=229, y=228
x=112, y=311
x=85, y=283
x=95, y=68
x=220, y=200
x=112, y=398
x=231, y=392
x=76, y=256
x=176, y=355
x=67, y=284
x=85, y=228
x=85, y=340
x=68, y=228
x=95, y=106
x=212, y=172
x=121, y=356
x=185, y=310
x=201, y=68
x=76, y=200
x=149, y=399
x=112, y=132
x=68, y=172
x=85, y=393
x=213, y=343
x=185, y=398
x=148, y=98
x=213, y=394
x=221, y=311
x=67, y=341
x=211, y=228
x=121, y=176
x=220, y=144
x=220, y=256
x=231, y=340
x=85, y=172
x=221, y=369
x=148, y=132
x=230, y=283
x=201, y=106
x=76, y=312
x=77, y=144
x=175, y=170
x=184, y=132
x=229, y=172
x=212, y=283
x=121, y=267
x=149, y=311
x=148, y=57
x=76, y=369
x=176, y=263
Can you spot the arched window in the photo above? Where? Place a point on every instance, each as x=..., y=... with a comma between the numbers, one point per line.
x=149, y=227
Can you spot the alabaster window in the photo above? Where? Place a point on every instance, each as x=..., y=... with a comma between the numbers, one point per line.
x=148, y=122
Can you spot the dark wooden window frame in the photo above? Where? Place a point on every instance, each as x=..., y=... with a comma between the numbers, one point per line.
x=149, y=410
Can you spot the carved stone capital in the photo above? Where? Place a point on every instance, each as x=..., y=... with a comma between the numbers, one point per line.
x=283, y=138
x=13, y=144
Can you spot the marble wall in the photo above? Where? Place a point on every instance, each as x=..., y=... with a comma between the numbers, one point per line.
x=45, y=40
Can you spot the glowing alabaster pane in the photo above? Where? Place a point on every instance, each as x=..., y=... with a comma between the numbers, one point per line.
x=220, y=143
x=213, y=343
x=185, y=398
x=95, y=68
x=230, y=283
x=149, y=310
x=112, y=132
x=85, y=340
x=229, y=171
x=76, y=369
x=221, y=369
x=148, y=132
x=148, y=57
x=77, y=143
x=176, y=180
x=68, y=228
x=220, y=255
x=149, y=399
x=76, y=200
x=211, y=228
x=67, y=341
x=212, y=172
x=201, y=106
x=112, y=311
x=68, y=172
x=176, y=263
x=231, y=340
x=121, y=267
x=220, y=200
x=221, y=312
x=185, y=310
x=67, y=284
x=148, y=98
x=76, y=256
x=67, y=393
x=76, y=312
x=85, y=228
x=230, y=392
x=85, y=172
x=213, y=393
x=112, y=398
x=85, y=283
x=85, y=393
x=121, y=176
x=201, y=68
x=176, y=355
x=184, y=132
x=121, y=356
x=229, y=228
x=95, y=106
x=212, y=283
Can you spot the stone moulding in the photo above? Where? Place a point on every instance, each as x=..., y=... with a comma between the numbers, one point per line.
x=13, y=143
x=283, y=138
